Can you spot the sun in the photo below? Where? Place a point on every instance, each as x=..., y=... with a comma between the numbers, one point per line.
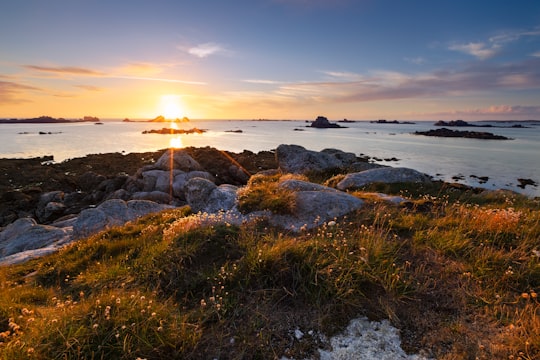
x=171, y=107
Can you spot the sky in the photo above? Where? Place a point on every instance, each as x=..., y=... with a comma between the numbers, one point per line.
x=275, y=59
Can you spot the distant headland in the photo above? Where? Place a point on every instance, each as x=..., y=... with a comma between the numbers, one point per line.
x=160, y=118
x=48, y=120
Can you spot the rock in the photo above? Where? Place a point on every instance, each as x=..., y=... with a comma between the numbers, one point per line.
x=363, y=166
x=444, y=132
x=50, y=206
x=110, y=213
x=177, y=159
x=155, y=196
x=296, y=159
x=223, y=198
x=181, y=179
x=25, y=234
x=299, y=185
x=313, y=208
x=204, y=196
x=89, y=181
x=382, y=175
x=51, y=211
x=322, y=123
x=138, y=208
x=453, y=123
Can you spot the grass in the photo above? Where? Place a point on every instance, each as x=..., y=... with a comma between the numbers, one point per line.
x=456, y=271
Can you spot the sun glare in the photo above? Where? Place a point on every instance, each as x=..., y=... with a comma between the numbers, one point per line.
x=171, y=107
x=176, y=143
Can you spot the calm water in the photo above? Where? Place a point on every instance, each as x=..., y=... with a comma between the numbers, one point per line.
x=502, y=161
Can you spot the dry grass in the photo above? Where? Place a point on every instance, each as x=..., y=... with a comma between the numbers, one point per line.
x=457, y=273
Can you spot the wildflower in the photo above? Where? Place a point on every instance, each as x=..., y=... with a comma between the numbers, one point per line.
x=160, y=329
x=525, y=295
x=534, y=295
x=153, y=314
x=95, y=326
x=331, y=223
x=118, y=300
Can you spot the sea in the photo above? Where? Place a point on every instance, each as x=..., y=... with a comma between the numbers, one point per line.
x=490, y=164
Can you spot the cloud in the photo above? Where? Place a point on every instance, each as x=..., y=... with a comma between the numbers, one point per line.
x=391, y=85
x=344, y=75
x=179, y=81
x=89, y=87
x=70, y=70
x=479, y=50
x=536, y=54
x=207, y=49
x=142, y=69
x=263, y=81
x=494, y=45
x=10, y=92
x=417, y=60
x=494, y=112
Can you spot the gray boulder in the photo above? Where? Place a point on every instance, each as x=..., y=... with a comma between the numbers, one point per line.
x=314, y=205
x=114, y=212
x=25, y=234
x=50, y=206
x=155, y=196
x=177, y=159
x=203, y=195
x=299, y=185
x=181, y=179
x=296, y=159
x=383, y=175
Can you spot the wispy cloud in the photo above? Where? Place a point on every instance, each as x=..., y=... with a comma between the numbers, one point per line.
x=89, y=87
x=493, y=112
x=536, y=54
x=11, y=92
x=69, y=70
x=343, y=75
x=179, y=81
x=391, y=85
x=486, y=49
x=208, y=49
x=479, y=50
x=263, y=81
x=416, y=60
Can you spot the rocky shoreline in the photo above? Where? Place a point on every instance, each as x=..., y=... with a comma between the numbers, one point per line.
x=47, y=205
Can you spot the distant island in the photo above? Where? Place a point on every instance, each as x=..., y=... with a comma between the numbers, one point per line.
x=383, y=121
x=444, y=132
x=462, y=123
x=159, y=118
x=48, y=120
x=169, y=131
x=322, y=123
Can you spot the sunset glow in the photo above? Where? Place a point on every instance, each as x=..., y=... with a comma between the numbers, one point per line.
x=176, y=143
x=342, y=59
x=171, y=107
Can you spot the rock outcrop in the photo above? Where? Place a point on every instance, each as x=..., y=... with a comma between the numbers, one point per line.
x=296, y=159
x=383, y=175
x=322, y=123
x=444, y=132
x=314, y=205
x=177, y=179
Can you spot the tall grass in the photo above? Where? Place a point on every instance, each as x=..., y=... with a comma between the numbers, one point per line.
x=458, y=277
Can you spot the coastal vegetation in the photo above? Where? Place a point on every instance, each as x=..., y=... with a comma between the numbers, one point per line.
x=457, y=271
